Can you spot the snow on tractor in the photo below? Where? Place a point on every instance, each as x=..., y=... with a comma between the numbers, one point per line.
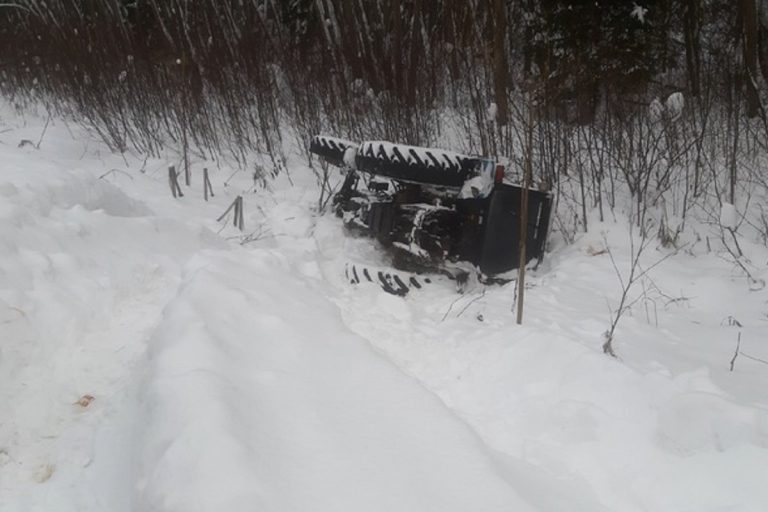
x=434, y=210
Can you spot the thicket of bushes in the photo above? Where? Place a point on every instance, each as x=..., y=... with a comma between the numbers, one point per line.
x=588, y=81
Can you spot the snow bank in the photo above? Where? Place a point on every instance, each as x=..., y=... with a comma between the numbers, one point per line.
x=85, y=269
x=671, y=109
x=271, y=404
x=667, y=427
x=674, y=104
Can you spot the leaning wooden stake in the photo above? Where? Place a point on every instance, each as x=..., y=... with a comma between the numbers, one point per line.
x=207, y=188
x=524, y=215
x=173, y=181
x=238, y=219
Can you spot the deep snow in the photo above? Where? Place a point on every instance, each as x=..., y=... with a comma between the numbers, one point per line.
x=253, y=377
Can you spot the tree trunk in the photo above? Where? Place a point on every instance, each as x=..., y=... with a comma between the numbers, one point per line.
x=500, y=70
x=762, y=44
x=692, y=30
x=749, y=25
x=397, y=54
x=413, y=61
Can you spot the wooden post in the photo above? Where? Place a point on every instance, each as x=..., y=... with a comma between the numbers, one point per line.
x=239, y=214
x=205, y=184
x=242, y=215
x=171, y=174
x=173, y=181
x=207, y=188
x=238, y=217
x=524, y=213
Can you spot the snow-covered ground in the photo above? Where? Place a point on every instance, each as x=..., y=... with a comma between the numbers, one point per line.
x=149, y=361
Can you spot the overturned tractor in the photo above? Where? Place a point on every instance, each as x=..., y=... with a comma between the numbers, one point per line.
x=435, y=210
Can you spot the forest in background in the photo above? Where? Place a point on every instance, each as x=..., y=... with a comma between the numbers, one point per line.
x=660, y=102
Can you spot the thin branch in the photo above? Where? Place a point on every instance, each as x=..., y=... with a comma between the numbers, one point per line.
x=17, y=6
x=754, y=358
x=470, y=303
x=736, y=354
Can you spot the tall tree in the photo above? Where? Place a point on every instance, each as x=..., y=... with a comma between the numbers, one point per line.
x=692, y=32
x=749, y=23
x=500, y=66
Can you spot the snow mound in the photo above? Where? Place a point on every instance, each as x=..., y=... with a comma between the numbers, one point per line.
x=675, y=104
x=272, y=404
